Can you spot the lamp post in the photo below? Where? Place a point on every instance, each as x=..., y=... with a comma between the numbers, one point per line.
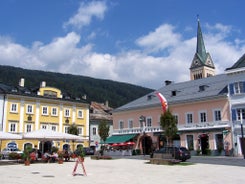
x=242, y=145
x=142, y=121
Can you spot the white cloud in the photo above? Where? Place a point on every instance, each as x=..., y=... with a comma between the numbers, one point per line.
x=85, y=14
x=66, y=55
x=162, y=38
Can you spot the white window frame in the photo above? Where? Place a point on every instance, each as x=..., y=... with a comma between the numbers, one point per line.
x=45, y=108
x=215, y=111
x=13, y=127
x=66, y=128
x=238, y=87
x=148, y=122
x=94, y=130
x=80, y=130
x=201, y=118
x=44, y=126
x=28, y=127
x=67, y=112
x=54, y=128
x=121, y=124
x=14, y=107
x=130, y=123
x=29, y=109
x=79, y=113
x=189, y=118
x=52, y=111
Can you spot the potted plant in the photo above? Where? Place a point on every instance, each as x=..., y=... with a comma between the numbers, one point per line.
x=80, y=153
x=60, y=157
x=26, y=155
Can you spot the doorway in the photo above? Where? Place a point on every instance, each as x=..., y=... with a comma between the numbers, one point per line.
x=204, y=143
x=146, y=143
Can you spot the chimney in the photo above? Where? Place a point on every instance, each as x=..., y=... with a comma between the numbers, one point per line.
x=84, y=97
x=168, y=82
x=106, y=103
x=22, y=82
x=43, y=84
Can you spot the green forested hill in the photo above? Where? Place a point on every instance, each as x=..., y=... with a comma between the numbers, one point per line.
x=117, y=93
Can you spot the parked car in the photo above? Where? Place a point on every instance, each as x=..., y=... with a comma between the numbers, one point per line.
x=6, y=151
x=179, y=153
x=89, y=151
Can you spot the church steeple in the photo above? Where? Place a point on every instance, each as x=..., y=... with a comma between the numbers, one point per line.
x=202, y=65
x=201, y=51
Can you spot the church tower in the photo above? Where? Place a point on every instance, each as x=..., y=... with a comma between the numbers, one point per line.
x=202, y=65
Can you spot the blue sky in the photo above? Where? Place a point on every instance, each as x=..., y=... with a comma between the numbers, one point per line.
x=134, y=41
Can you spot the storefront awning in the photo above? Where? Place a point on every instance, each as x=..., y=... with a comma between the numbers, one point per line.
x=119, y=138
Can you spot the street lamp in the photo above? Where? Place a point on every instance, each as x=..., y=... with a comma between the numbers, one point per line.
x=142, y=121
x=241, y=118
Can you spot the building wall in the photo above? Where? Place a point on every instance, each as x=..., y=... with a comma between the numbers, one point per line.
x=37, y=120
x=180, y=110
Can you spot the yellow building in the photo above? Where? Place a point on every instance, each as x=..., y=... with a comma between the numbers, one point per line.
x=24, y=110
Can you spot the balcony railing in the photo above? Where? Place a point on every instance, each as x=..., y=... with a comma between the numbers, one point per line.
x=204, y=125
x=137, y=130
x=181, y=127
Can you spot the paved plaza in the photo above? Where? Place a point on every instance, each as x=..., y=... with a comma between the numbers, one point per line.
x=117, y=171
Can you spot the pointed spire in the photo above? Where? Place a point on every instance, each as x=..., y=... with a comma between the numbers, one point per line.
x=200, y=50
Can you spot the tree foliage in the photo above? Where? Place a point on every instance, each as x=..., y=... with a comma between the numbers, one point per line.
x=169, y=126
x=72, y=129
x=103, y=130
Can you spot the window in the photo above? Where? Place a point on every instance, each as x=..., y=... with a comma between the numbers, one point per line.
x=190, y=142
x=203, y=117
x=54, y=111
x=12, y=127
x=44, y=110
x=238, y=87
x=67, y=112
x=53, y=127
x=219, y=142
x=14, y=107
x=29, y=109
x=176, y=118
x=130, y=123
x=148, y=122
x=28, y=128
x=121, y=124
x=239, y=111
x=217, y=115
x=66, y=129
x=44, y=127
x=189, y=118
x=80, y=130
x=94, y=131
x=80, y=114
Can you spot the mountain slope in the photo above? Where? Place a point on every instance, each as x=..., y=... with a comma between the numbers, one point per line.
x=117, y=93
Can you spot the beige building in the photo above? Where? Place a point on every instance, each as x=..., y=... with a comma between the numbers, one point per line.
x=24, y=110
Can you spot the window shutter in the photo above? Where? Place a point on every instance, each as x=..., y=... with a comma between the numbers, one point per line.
x=233, y=111
x=231, y=89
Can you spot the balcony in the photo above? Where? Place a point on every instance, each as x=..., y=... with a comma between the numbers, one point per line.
x=205, y=125
x=137, y=130
x=181, y=127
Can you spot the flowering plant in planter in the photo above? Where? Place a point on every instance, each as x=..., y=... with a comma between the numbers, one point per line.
x=60, y=154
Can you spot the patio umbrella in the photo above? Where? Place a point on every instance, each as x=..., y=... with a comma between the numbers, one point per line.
x=44, y=134
x=9, y=136
x=50, y=135
x=130, y=143
x=114, y=144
